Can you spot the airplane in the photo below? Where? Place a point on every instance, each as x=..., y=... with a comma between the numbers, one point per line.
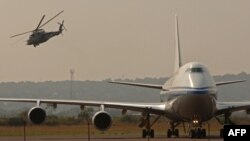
x=188, y=96
x=39, y=36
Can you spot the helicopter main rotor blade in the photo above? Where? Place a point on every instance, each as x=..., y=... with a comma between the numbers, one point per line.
x=31, y=30
x=21, y=34
x=40, y=23
x=51, y=19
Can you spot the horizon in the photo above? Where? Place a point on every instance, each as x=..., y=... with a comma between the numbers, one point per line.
x=122, y=79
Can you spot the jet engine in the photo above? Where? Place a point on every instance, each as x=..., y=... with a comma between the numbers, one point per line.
x=102, y=120
x=240, y=117
x=37, y=115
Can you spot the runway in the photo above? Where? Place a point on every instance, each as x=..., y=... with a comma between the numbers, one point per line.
x=104, y=139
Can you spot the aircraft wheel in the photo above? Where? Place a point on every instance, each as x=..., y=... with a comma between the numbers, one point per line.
x=203, y=133
x=152, y=133
x=198, y=133
x=144, y=133
x=192, y=134
x=176, y=132
x=221, y=133
x=169, y=133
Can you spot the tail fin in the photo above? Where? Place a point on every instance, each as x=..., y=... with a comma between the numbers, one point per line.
x=178, y=62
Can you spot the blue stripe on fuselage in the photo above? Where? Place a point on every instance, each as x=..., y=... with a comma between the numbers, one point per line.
x=184, y=91
x=170, y=94
x=199, y=91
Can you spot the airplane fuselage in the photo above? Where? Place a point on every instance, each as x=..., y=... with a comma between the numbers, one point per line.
x=190, y=93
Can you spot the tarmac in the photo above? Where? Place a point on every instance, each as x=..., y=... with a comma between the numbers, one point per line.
x=105, y=139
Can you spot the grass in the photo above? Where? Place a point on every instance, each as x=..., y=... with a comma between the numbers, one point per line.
x=118, y=129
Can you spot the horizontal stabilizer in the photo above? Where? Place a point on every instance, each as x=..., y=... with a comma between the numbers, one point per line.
x=138, y=84
x=229, y=82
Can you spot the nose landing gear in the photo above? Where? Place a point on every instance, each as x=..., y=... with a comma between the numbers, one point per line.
x=196, y=130
x=197, y=133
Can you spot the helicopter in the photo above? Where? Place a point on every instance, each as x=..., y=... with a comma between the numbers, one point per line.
x=39, y=35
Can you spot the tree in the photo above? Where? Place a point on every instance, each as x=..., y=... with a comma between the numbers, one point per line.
x=85, y=114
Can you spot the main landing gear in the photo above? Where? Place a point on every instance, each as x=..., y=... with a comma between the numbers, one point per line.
x=148, y=132
x=172, y=131
x=227, y=121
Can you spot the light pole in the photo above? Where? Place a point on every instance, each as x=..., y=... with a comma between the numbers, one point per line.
x=72, y=72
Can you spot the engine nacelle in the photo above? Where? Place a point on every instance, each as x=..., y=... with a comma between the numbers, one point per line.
x=248, y=111
x=240, y=117
x=102, y=120
x=37, y=115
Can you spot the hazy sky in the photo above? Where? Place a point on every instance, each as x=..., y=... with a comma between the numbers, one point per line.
x=123, y=38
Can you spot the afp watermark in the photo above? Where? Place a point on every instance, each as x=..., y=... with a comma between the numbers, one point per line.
x=237, y=132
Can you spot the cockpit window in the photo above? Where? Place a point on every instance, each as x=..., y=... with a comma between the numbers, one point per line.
x=195, y=70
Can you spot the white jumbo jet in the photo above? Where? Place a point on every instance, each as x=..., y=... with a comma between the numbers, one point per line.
x=189, y=96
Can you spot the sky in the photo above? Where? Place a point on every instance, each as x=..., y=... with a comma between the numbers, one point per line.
x=123, y=38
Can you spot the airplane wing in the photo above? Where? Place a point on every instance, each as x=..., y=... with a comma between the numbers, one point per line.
x=154, y=86
x=229, y=82
x=155, y=108
x=228, y=107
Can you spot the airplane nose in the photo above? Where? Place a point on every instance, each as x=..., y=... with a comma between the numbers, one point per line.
x=192, y=105
x=199, y=81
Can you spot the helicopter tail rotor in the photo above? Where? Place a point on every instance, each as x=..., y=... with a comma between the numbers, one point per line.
x=61, y=26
